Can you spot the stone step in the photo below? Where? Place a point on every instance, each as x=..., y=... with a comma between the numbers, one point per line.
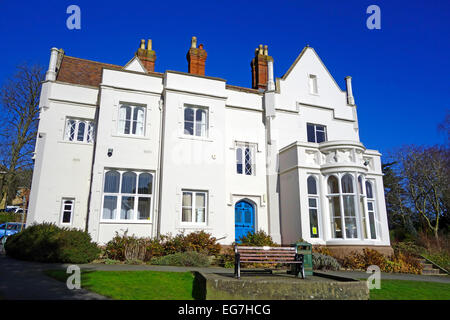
x=430, y=271
x=427, y=266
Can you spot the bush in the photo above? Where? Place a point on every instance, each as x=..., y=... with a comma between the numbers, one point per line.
x=10, y=217
x=322, y=250
x=399, y=262
x=47, y=242
x=130, y=248
x=185, y=259
x=257, y=239
x=324, y=262
x=199, y=241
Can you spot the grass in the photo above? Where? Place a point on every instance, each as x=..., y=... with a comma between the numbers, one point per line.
x=135, y=285
x=411, y=290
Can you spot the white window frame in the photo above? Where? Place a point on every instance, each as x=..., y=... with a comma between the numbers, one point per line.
x=194, y=205
x=63, y=200
x=316, y=130
x=120, y=195
x=195, y=122
x=343, y=216
x=252, y=148
x=374, y=210
x=88, y=134
x=133, y=123
x=318, y=207
x=313, y=84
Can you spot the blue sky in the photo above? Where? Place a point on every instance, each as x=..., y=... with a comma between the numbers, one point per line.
x=401, y=73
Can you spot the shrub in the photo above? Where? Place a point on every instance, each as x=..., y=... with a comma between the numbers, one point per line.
x=185, y=259
x=10, y=217
x=47, y=242
x=324, y=262
x=129, y=248
x=322, y=250
x=257, y=239
x=226, y=259
x=199, y=241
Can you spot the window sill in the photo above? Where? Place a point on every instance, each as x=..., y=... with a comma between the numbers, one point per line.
x=81, y=143
x=189, y=137
x=125, y=221
x=130, y=136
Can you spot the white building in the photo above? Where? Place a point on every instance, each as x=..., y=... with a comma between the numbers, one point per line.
x=127, y=148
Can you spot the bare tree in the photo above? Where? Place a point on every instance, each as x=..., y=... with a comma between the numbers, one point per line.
x=19, y=105
x=426, y=180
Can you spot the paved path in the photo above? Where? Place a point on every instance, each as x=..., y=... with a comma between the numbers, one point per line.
x=26, y=280
x=392, y=276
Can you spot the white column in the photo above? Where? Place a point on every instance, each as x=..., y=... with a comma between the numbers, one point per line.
x=270, y=82
x=350, y=99
x=51, y=72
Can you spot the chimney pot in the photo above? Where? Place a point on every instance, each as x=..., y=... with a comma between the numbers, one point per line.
x=200, y=46
x=194, y=42
x=142, y=44
x=149, y=44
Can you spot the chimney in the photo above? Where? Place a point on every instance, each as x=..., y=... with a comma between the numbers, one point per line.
x=196, y=58
x=51, y=72
x=350, y=99
x=147, y=55
x=260, y=68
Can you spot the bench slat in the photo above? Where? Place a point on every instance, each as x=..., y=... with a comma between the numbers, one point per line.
x=256, y=261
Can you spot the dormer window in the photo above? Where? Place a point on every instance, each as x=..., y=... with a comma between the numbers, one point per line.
x=313, y=88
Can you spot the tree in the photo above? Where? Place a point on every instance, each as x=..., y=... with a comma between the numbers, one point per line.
x=425, y=173
x=19, y=105
x=399, y=214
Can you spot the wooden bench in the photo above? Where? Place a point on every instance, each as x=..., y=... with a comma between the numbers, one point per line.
x=271, y=255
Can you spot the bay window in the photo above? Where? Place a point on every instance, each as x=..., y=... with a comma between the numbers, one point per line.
x=342, y=207
x=127, y=195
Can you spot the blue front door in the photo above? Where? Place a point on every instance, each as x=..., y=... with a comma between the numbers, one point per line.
x=244, y=219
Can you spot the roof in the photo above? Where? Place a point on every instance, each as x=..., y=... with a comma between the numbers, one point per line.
x=87, y=72
x=81, y=71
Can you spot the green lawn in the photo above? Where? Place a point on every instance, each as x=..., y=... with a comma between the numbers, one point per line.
x=135, y=285
x=411, y=290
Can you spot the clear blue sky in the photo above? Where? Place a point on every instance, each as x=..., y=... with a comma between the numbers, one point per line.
x=401, y=73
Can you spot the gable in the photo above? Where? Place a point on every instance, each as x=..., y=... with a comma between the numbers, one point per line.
x=135, y=65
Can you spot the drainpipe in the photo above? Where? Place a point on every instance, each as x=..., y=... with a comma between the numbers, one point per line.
x=157, y=217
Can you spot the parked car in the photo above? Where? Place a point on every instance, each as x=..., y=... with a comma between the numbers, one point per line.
x=9, y=228
x=14, y=209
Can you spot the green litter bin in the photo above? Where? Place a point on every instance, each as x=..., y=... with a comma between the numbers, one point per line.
x=305, y=248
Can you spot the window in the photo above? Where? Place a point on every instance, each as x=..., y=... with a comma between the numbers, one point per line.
x=313, y=203
x=131, y=120
x=193, y=207
x=342, y=207
x=195, y=121
x=128, y=191
x=316, y=132
x=313, y=88
x=79, y=130
x=245, y=159
x=371, y=210
x=67, y=211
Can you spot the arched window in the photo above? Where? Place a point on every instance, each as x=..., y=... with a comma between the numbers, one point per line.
x=333, y=185
x=312, y=186
x=138, y=121
x=342, y=207
x=200, y=123
x=313, y=204
x=189, y=121
x=124, y=119
x=79, y=130
x=369, y=190
x=112, y=182
x=360, y=185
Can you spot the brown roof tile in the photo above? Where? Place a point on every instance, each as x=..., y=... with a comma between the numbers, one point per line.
x=81, y=71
